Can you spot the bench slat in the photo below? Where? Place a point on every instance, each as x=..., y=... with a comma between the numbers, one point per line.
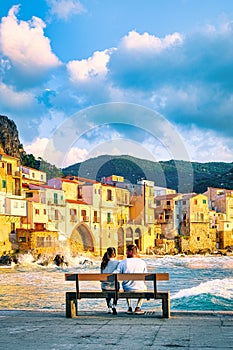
x=89, y=277
x=142, y=276
x=123, y=295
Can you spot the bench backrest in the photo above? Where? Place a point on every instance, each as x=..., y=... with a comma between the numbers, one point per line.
x=119, y=276
x=116, y=278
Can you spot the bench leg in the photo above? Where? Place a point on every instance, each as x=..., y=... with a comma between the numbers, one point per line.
x=166, y=307
x=71, y=305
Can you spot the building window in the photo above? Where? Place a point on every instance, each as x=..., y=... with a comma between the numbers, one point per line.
x=73, y=211
x=204, y=201
x=29, y=194
x=195, y=201
x=79, y=192
x=33, y=175
x=13, y=227
x=108, y=218
x=198, y=239
x=56, y=214
x=44, y=211
x=9, y=169
x=55, y=198
x=109, y=195
x=37, y=211
x=73, y=215
x=42, y=177
x=22, y=205
x=95, y=218
x=184, y=202
x=15, y=204
x=3, y=165
x=3, y=183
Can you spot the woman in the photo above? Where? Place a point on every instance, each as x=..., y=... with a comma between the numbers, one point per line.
x=108, y=265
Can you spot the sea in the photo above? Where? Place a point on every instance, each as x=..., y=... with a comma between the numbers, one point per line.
x=196, y=283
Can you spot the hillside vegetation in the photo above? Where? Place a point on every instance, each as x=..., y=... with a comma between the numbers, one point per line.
x=179, y=175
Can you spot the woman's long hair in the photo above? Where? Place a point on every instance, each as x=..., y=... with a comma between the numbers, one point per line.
x=110, y=253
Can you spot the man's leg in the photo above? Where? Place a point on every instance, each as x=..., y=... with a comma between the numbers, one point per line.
x=138, y=307
x=140, y=302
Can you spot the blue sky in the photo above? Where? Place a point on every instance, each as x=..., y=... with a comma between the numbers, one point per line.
x=165, y=66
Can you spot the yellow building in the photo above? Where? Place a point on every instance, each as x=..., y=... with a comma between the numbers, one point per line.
x=37, y=242
x=33, y=176
x=195, y=225
x=10, y=175
x=12, y=205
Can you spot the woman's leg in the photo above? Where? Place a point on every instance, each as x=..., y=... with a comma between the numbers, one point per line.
x=108, y=301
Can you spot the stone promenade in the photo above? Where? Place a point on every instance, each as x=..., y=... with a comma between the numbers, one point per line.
x=30, y=330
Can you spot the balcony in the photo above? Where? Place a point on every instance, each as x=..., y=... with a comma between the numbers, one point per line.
x=96, y=219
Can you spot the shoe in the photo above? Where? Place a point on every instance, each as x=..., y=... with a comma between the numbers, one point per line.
x=114, y=311
x=138, y=311
x=109, y=310
x=130, y=311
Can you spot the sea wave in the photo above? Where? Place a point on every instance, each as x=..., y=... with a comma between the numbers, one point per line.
x=215, y=294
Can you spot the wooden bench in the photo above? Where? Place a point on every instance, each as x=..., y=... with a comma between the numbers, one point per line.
x=73, y=297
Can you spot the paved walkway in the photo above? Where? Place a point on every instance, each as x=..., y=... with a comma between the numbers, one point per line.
x=52, y=331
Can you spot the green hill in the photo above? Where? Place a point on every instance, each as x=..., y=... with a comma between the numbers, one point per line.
x=179, y=175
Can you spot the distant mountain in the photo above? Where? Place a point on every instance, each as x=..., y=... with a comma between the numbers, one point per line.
x=180, y=175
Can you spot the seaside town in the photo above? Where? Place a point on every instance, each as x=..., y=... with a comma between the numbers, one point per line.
x=43, y=216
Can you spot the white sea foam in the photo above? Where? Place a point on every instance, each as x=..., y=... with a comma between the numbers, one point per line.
x=218, y=287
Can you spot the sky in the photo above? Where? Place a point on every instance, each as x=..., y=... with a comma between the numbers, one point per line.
x=151, y=78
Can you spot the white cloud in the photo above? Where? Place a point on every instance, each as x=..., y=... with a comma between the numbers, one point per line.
x=136, y=41
x=205, y=145
x=75, y=155
x=93, y=67
x=15, y=99
x=25, y=45
x=37, y=147
x=64, y=9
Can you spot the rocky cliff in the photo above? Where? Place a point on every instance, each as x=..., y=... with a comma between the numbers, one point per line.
x=9, y=138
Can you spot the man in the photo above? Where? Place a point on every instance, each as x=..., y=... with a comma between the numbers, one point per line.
x=132, y=264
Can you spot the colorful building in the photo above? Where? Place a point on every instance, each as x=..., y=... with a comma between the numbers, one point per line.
x=12, y=205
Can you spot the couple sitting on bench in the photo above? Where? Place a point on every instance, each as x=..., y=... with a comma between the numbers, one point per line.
x=132, y=264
